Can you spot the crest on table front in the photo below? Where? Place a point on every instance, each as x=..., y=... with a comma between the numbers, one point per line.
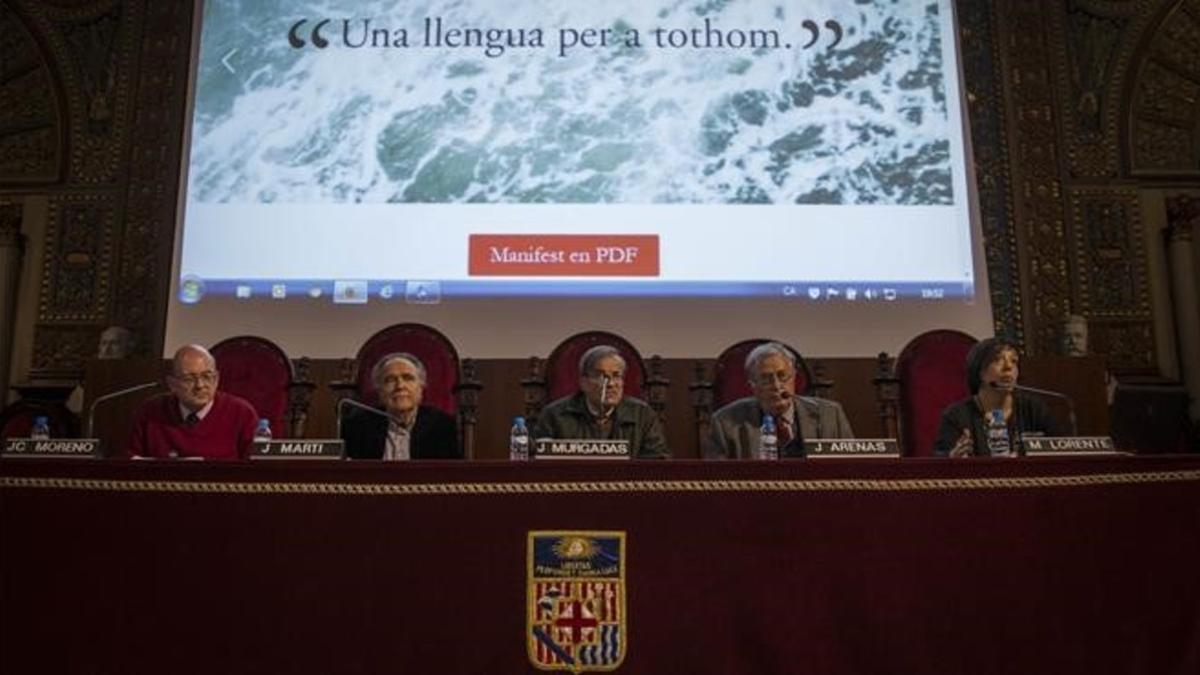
x=575, y=600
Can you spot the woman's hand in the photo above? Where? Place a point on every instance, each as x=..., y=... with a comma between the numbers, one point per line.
x=964, y=445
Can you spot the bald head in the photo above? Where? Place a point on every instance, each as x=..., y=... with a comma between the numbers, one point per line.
x=193, y=377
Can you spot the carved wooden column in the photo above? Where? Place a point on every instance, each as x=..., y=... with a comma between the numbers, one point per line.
x=1182, y=214
x=11, y=250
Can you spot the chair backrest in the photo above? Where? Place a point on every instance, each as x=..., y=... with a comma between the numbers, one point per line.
x=932, y=370
x=435, y=350
x=17, y=419
x=562, y=368
x=730, y=382
x=259, y=371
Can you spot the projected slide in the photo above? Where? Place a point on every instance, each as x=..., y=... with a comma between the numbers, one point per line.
x=349, y=149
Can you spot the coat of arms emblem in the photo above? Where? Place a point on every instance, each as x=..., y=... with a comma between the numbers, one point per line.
x=576, y=600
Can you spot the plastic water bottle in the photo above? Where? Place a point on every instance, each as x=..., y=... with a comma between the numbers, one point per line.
x=768, y=444
x=41, y=429
x=263, y=433
x=997, y=435
x=518, y=440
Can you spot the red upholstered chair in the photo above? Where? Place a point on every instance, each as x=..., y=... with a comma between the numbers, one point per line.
x=17, y=419
x=450, y=386
x=39, y=399
x=930, y=374
x=558, y=376
x=259, y=371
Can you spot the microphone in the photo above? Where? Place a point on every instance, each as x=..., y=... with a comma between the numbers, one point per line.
x=603, y=393
x=1043, y=392
x=91, y=413
x=341, y=410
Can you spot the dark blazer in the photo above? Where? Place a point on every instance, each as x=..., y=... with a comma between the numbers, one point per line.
x=1029, y=415
x=434, y=435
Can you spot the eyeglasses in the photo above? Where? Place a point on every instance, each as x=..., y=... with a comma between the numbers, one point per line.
x=207, y=378
x=767, y=379
x=614, y=378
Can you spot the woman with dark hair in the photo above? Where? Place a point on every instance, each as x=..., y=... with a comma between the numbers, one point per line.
x=992, y=369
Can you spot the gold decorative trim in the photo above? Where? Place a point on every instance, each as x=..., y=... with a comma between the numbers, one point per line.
x=607, y=487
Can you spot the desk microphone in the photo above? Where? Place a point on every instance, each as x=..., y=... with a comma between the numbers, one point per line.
x=91, y=414
x=603, y=393
x=1042, y=392
x=341, y=408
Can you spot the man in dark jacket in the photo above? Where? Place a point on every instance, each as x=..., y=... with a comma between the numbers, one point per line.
x=403, y=429
x=599, y=410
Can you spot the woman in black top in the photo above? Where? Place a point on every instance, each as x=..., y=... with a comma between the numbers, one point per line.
x=992, y=369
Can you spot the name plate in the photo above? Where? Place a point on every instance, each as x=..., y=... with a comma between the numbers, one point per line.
x=1068, y=445
x=330, y=448
x=581, y=448
x=851, y=447
x=53, y=447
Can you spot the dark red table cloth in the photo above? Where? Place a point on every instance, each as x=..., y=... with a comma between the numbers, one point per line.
x=872, y=566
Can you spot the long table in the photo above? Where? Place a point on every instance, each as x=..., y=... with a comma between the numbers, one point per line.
x=1080, y=565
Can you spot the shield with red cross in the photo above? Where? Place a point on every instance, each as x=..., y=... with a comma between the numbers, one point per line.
x=576, y=600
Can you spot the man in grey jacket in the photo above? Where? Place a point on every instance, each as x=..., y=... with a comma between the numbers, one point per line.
x=771, y=370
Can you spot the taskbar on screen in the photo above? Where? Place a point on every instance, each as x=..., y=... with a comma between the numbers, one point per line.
x=193, y=290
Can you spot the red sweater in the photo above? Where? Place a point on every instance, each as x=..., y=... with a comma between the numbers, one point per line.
x=226, y=432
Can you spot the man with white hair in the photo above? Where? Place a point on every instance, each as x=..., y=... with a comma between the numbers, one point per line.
x=771, y=370
x=194, y=419
x=403, y=428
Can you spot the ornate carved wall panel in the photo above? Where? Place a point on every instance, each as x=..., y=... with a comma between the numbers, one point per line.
x=985, y=110
x=1091, y=58
x=92, y=45
x=1111, y=276
x=78, y=258
x=119, y=69
x=149, y=226
x=31, y=134
x=1036, y=170
x=1164, y=127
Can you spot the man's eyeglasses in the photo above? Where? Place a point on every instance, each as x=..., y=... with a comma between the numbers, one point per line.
x=207, y=378
x=768, y=379
x=615, y=378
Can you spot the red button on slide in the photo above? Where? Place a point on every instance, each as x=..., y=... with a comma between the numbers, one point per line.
x=566, y=255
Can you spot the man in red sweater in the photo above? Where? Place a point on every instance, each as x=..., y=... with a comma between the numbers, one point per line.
x=194, y=420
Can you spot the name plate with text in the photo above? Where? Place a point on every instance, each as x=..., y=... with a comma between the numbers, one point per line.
x=581, y=448
x=851, y=447
x=330, y=448
x=52, y=447
x=1068, y=445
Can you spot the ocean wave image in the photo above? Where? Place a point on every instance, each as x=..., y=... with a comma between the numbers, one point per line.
x=540, y=101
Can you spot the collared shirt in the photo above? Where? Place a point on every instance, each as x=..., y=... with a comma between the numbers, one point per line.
x=399, y=440
x=184, y=413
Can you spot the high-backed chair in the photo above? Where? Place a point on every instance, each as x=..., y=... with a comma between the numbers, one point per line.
x=259, y=371
x=929, y=374
x=450, y=386
x=16, y=419
x=558, y=375
x=729, y=382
